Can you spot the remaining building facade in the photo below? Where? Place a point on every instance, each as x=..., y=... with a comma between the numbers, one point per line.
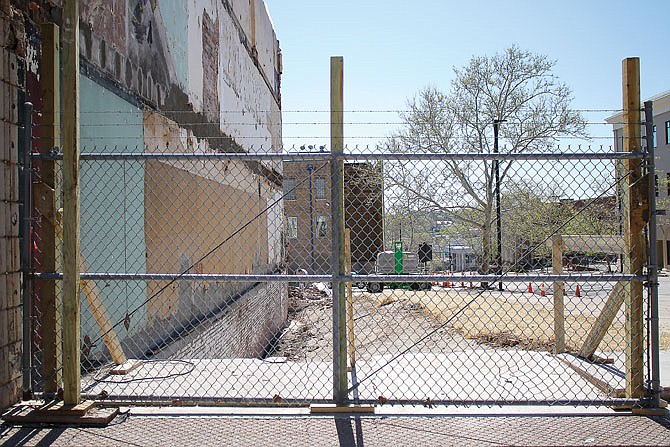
x=307, y=202
x=661, y=138
x=157, y=76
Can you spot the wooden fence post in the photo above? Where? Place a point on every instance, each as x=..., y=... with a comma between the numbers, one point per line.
x=636, y=210
x=71, y=305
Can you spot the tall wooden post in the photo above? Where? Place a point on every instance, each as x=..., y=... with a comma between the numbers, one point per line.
x=44, y=198
x=636, y=209
x=71, y=306
x=337, y=197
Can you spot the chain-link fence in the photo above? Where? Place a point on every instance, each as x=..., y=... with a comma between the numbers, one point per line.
x=476, y=278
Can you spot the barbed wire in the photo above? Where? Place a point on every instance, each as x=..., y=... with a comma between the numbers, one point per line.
x=245, y=111
x=320, y=149
x=298, y=123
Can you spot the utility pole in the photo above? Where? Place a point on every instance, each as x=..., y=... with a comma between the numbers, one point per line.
x=71, y=306
x=496, y=166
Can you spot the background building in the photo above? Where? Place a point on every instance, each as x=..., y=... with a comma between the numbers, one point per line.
x=661, y=104
x=307, y=205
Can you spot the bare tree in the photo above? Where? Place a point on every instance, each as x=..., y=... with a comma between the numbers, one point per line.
x=516, y=86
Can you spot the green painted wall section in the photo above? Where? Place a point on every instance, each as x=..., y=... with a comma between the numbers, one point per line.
x=175, y=18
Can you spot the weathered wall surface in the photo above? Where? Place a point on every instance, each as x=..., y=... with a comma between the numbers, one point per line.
x=10, y=301
x=112, y=205
x=164, y=76
x=219, y=59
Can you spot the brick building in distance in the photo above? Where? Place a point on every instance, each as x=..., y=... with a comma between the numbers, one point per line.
x=307, y=206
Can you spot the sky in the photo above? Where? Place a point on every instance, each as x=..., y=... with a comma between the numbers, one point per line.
x=392, y=49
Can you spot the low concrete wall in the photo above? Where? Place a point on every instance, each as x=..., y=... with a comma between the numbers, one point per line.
x=242, y=330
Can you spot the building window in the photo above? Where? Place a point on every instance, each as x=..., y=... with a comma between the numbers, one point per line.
x=321, y=226
x=654, y=137
x=667, y=132
x=289, y=189
x=656, y=185
x=320, y=188
x=292, y=227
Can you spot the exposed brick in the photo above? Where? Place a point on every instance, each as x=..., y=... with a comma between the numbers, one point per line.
x=10, y=222
x=10, y=393
x=13, y=260
x=10, y=187
x=13, y=148
x=10, y=362
x=12, y=324
x=4, y=298
x=12, y=284
x=210, y=65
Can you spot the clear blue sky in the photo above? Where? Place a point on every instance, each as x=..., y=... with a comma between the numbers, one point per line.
x=394, y=48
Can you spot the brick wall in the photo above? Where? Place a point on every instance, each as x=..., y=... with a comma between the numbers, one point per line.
x=362, y=211
x=10, y=305
x=243, y=329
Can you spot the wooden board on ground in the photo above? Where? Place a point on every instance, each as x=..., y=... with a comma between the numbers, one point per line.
x=95, y=417
x=604, y=321
x=84, y=413
x=339, y=409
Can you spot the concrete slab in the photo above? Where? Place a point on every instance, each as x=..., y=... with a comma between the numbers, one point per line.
x=473, y=375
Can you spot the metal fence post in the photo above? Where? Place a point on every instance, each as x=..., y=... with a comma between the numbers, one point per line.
x=337, y=197
x=652, y=267
x=26, y=243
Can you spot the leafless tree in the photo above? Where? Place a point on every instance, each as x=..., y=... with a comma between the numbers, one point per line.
x=516, y=86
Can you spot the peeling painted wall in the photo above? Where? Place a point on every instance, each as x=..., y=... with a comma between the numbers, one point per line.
x=216, y=57
x=112, y=205
x=166, y=76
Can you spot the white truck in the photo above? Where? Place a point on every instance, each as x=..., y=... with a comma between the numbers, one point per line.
x=397, y=262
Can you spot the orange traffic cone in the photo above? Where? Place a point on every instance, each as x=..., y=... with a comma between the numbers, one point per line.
x=530, y=288
x=578, y=292
x=542, y=291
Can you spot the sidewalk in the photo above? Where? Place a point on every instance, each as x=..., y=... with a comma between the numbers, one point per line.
x=467, y=427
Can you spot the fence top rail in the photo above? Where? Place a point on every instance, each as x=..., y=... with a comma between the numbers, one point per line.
x=325, y=156
x=508, y=277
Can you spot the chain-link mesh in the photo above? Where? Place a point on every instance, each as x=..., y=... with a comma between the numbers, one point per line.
x=214, y=273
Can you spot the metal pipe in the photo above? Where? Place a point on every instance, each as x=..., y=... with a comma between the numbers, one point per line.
x=652, y=267
x=311, y=220
x=496, y=124
x=26, y=248
x=206, y=277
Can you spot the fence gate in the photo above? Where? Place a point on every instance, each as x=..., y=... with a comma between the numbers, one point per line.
x=218, y=278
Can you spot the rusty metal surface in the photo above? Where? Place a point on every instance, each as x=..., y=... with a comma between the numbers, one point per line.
x=537, y=430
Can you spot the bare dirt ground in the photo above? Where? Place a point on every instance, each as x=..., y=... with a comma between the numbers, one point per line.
x=440, y=321
x=387, y=323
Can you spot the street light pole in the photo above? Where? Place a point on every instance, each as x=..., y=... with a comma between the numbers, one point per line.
x=311, y=220
x=496, y=124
